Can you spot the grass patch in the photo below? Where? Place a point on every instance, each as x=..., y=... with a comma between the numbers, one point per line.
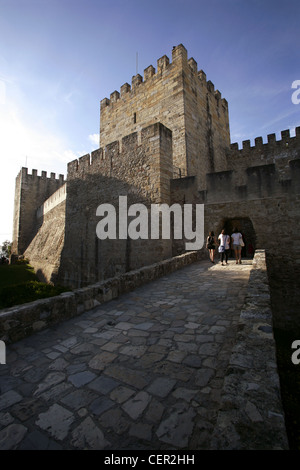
x=12, y=274
x=19, y=285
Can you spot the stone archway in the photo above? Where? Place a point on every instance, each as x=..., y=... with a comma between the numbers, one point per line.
x=245, y=226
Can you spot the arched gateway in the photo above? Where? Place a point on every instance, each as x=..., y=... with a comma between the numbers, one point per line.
x=245, y=226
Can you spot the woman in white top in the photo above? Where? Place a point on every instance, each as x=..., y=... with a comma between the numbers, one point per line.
x=224, y=241
x=236, y=238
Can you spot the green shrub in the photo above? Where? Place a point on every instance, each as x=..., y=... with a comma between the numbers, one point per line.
x=22, y=261
x=27, y=292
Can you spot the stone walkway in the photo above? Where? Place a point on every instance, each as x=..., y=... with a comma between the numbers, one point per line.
x=144, y=371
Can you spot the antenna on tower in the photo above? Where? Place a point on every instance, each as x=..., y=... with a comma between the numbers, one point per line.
x=137, y=61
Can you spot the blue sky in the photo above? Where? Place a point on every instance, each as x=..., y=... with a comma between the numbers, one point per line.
x=59, y=58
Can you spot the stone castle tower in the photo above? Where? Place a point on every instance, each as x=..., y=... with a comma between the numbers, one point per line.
x=178, y=96
x=163, y=139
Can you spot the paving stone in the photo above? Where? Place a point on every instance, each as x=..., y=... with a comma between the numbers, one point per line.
x=101, y=360
x=114, y=419
x=204, y=338
x=81, y=378
x=155, y=411
x=54, y=393
x=184, y=393
x=26, y=408
x=59, y=364
x=174, y=371
x=53, y=355
x=5, y=419
x=60, y=348
x=56, y=421
x=89, y=436
x=129, y=376
x=209, y=349
x=123, y=326
x=121, y=394
x=11, y=436
x=143, y=326
x=141, y=431
x=136, y=405
x=69, y=342
x=193, y=361
x=177, y=428
x=9, y=398
x=188, y=347
x=34, y=375
x=137, y=333
x=8, y=383
x=101, y=404
x=83, y=349
x=176, y=356
x=78, y=399
x=161, y=386
x=203, y=377
x=111, y=347
x=148, y=359
x=103, y=384
x=38, y=441
x=52, y=379
x=74, y=368
x=134, y=351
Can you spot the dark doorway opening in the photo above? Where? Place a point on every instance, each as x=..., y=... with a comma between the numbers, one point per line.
x=245, y=226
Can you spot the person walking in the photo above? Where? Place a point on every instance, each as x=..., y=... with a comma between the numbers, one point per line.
x=224, y=242
x=237, y=240
x=211, y=245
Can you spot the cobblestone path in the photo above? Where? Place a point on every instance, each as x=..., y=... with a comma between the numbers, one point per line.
x=144, y=371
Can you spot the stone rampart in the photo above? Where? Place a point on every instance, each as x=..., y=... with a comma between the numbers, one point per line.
x=251, y=413
x=23, y=320
x=273, y=151
x=31, y=191
x=180, y=97
x=44, y=251
x=258, y=181
x=53, y=201
x=141, y=172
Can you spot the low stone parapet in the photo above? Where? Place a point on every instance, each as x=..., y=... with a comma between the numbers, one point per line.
x=251, y=416
x=23, y=320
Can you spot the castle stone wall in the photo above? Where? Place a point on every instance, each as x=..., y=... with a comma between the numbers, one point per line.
x=54, y=200
x=44, y=251
x=273, y=151
x=266, y=209
x=31, y=191
x=141, y=171
x=178, y=96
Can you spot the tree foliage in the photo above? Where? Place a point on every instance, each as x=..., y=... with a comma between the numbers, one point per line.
x=6, y=248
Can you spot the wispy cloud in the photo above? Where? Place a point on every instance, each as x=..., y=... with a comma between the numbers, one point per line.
x=94, y=139
x=282, y=117
x=30, y=144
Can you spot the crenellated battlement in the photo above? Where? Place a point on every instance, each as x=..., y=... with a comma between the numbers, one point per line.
x=284, y=142
x=253, y=182
x=43, y=175
x=164, y=66
x=179, y=96
x=140, y=161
